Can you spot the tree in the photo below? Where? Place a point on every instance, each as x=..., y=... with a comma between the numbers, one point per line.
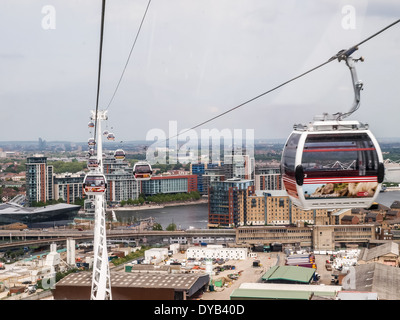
x=157, y=227
x=79, y=202
x=171, y=227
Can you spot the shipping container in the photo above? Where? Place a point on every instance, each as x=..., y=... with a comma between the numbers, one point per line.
x=305, y=264
x=277, y=247
x=128, y=268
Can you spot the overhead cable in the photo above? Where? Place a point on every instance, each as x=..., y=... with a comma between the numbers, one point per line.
x=129, y=56
x=99, y=71
x=339, y=56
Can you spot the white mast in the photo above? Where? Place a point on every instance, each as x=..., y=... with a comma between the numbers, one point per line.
x=101, y=283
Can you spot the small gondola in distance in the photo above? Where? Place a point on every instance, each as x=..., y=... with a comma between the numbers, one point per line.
x=142, y=171
x=91, y=142
x=92, y=162
x=119, y=154
x=94, y=183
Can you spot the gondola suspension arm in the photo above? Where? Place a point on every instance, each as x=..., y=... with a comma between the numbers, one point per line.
x=357, y=84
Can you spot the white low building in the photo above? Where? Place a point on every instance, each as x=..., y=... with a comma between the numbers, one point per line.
x=174, y=248
x=216, y=252
x=155, y=255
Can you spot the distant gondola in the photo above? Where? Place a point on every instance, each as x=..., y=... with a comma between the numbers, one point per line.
x=142, y=170
x=93, y=162
x=111, y=136
x=91, y=142
x=119, y=154
x=94, y=184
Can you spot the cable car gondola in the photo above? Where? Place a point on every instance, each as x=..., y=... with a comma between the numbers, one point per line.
x=111, y=136
x=93, y=162
x=91, y=142
x=94, y=184
x=91, y=124
x=333, y=163
x=142, y=170
x=119, y=154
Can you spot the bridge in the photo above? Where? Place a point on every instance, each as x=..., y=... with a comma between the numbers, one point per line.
x=30, y=237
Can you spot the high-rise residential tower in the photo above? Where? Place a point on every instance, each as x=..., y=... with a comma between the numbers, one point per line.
x=39, y=179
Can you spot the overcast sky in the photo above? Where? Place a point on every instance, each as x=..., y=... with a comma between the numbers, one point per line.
x=193, y=60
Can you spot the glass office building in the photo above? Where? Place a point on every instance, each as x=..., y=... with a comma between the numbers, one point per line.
x=226, y=201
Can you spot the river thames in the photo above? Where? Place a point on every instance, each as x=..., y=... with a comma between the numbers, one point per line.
x=196, y=216
x=184, y=216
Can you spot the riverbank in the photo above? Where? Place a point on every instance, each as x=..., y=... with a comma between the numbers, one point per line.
x=159, y=206
x=392, y=189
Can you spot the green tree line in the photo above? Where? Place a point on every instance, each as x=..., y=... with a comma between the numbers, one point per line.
x=162, y=197
x=72, y=167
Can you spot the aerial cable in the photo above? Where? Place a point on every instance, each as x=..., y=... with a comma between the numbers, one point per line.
x=99, y=72
x=341, y=55
x=129, y=56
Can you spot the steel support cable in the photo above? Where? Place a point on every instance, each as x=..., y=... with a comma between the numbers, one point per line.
x=99, y=71
x=339, y=56
x=130, y=53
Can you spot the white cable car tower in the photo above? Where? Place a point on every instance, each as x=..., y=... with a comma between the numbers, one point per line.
x=101, y=283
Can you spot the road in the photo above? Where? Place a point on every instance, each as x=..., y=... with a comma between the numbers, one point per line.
x=21, y=238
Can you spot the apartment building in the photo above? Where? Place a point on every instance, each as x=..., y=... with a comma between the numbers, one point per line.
x=68, y=186
x=273, y=207
x=169, y=184
x=226, y=199
x=268, y=178
x=39, y=179
x=121, y=184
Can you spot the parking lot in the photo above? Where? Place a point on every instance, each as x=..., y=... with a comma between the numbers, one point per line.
x=248, y=273
x=326, y=276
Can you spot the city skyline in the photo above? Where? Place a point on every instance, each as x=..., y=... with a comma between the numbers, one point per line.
x=193, y=60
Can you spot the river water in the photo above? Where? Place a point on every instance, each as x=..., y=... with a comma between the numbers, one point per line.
x=184, y=217
x=197, y=215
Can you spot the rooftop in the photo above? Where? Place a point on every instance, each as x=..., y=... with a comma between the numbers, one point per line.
x=179, y=282
x=272, y=193
x=391, y=248
x=283, y=291
x=255, y=294
x=289, y=273
x=379, y=278
x=11, y=208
